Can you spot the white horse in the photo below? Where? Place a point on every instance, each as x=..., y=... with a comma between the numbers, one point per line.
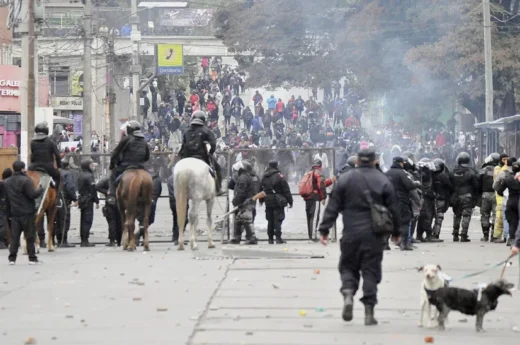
x=192, y=180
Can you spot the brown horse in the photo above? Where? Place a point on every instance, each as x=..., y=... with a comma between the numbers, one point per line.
x=48, y=208
x=134, y=194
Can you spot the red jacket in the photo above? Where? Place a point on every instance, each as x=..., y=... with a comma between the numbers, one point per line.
x=319, y=193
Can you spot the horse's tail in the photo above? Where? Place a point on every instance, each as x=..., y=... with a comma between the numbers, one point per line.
x=181, y=200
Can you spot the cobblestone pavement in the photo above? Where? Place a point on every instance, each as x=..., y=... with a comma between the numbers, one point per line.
x=278, y=294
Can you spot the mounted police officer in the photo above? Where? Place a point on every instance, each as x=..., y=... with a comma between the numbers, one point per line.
x=132, y=151
x=488, y=199
x=44, y=153
x=464, y=180
x=193, y=143
x=245, y=189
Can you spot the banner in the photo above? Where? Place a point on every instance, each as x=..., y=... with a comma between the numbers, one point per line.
x=170, y=59
x=78, y=124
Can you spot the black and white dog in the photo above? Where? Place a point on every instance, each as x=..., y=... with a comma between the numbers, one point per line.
x=470, y=302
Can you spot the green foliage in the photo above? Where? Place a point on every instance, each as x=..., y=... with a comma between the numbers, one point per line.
x=418, y=53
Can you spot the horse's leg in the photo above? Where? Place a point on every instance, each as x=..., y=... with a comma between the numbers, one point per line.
x=181, y=198
x=51, y=214
x=124, y=239
x=146, y=221
x=209, y=221
x=130, y=225
x=194, y=221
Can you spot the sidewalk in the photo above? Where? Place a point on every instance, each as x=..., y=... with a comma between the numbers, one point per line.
x=234, y=295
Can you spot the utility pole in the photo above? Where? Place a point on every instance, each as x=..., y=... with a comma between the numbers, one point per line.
x=28, y=89
x=111, y=95
x=87, y=77
x=488, y=61
x=135, y=69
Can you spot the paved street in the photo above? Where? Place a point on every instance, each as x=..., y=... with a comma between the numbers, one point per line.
x=235, y=295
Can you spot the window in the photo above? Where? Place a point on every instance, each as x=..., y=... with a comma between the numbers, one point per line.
x=59, y=78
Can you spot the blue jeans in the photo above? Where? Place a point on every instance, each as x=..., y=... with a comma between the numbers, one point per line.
x=506, y=224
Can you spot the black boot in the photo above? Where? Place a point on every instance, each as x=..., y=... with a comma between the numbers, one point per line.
x=66, y=244
x=86, y=244
x=235, y=241
x=252, y=241
x=271, y=241
x=485, y=233
x=369, y=316
x=405, y=246
x=112, y=243
x=348, y=305
x=280, y=241
x=464, y=238
x=432, y=239
x=456, y=236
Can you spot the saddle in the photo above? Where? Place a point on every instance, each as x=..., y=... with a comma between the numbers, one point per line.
x=130, y=167
x=43, y=175
x=210, y=167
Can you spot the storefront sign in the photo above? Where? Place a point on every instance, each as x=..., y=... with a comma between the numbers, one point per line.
x=67, y=103
x=10, y=86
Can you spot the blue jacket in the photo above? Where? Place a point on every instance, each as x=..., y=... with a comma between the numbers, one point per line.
x=256, y=124
x=271, y=102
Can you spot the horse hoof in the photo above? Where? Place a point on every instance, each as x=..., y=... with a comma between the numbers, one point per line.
x=50, y=250
x=125, y=247
x=146, y=249
x=130, y=249
x=180, y=247
x=211, y=246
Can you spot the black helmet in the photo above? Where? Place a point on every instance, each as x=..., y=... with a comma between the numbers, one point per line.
x=317, y=162
x=495, y=157
x=439, y=164
x=273, y=163
x=198, y=118
x=41, y=128
x=463, y=158
x=410, y=155
x=352, y=161
x=246, y=166
x=516, y=167
x=132, y=126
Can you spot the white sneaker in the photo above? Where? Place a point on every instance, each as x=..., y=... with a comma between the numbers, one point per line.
x=11, y=263
x=34, y=262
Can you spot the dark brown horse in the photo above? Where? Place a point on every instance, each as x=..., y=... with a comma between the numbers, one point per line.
x=48, y=208
x=134, y=194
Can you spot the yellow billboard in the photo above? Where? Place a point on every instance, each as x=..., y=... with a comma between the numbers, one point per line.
x=170, y=59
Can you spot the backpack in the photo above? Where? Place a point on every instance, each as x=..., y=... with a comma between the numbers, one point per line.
x=306, y=184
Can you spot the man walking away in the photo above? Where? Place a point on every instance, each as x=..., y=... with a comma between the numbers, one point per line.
x=278, y=195
x=403, y=186
x=21, y=195
x=69, y=195
x=361, y=248
x=319, y=193
x=111, y=213
x=87, y=198
x=243, y=192
x=4, y=209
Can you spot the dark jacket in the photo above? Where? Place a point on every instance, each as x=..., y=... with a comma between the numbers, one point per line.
x=244, y=189
x=193, y=142
x=276, y=188
x=4, y=204
x=21, y=194
x=171, y=194
x=45, y=152
x=103, y=187
x=486, y=178
x=513, y=186
x=69, y=187
x=442, y=187
x=87, y=186
x=464, y=181
x=131, y=151
x=157, y=187
x=345, y=169
x=403, y=185
x=349, y=199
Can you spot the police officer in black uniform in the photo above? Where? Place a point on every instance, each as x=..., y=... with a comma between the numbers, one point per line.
x=244, y=190
x=132, y=151
x=278, y=195
x=351, y=164
x=465, y=190
x=4, y=209
x=193, y=144
x=69, y=196
x=442, y=189
x=361, y=248
x=44, y=153
x=427, y=213
x=87, y=198
x=111, y=213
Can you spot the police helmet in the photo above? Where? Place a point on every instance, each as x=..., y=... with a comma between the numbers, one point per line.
x=439, y=164
x=199, y=114
x=495, y=157
x=197, y=121
x=352, y=161
x=41, y=128
x=273, y=163
x=134, y=128
x=317, y=162
x=516, y=167
x=463, y=158
x=246, y=166
x=409, y=155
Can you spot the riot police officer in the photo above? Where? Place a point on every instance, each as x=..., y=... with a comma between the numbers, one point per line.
x=244, y=191
x=488, y=200
x=427, y=213
x=278, y=195
x=132, y=151
x=193, y=144
x=44, y=153
x=111, y=213
x=87, y=198
x=69, y=196
x=442, y=189
x=351, y=164
x=464, y=180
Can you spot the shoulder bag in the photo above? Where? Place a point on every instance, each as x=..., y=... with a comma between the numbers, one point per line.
x=382, y=219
